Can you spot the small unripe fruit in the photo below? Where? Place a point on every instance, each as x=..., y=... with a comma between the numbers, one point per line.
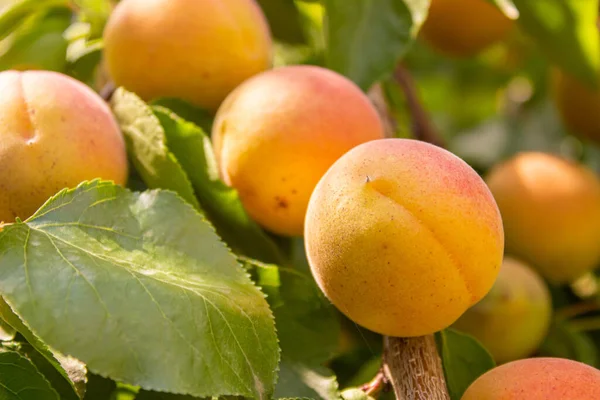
x=390, y=234
x=464, y=27
x=537, y=379
x=551, y=212
x=279, y=132
x=196, y=50
x=578, y=105
x=55, y=132
x=513, y=318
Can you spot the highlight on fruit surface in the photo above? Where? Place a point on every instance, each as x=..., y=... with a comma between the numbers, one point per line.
x=512, y=320
x=278, y=133
x=551, y=212
x=537, y=379
x=389, y=237
x=464, y=27
x=196, y=50
x=55, y=132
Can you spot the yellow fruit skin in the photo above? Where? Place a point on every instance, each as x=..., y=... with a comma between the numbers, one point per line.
x=577, y=104
x=513, y=318
x=278, y=133
x=464, y=27
x=55, y=132
x=390, y=237
x=551, y=212
x=537, y=379
x=197, y=50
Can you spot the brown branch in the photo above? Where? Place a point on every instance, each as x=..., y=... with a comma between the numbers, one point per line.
x=422, y=127
x=378, y=99
x=107, y=91
x=376, y=385
x=414, y=368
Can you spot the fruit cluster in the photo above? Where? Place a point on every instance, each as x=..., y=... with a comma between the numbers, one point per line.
x=403, y=237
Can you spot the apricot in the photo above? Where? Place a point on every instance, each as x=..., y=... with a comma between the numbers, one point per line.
x=551, y=212
x=196, y=50
x=55, y=132
x=403, y=237
x=577, y=104
x=464, y=27
x=537, y=379
x=513, y=318
x=279, y=132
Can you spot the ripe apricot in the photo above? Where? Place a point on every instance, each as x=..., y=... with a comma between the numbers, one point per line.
x=551, y=212
x=196, y=50
x=279, y=132
x=403, y=236
x=537, y=379
x=55, y=132
x=578, y=105
x=464, y=27
x=513, y=318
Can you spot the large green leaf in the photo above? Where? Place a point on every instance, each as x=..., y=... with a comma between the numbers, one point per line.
x=140, y=288
x=66, y=375
x=222, y=204
x=566, y=31
x=20, y=380
x=17, y=12
x=366, y=38
x=463, y=359
x=146, y=144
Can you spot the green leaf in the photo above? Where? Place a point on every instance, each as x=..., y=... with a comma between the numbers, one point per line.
x=7, y=332
x=73, y=368
x=222, y=205
x=96, y=13
x=307, y=324
x=565, y=342
x=302, y=381
x=67, y=375
x=566, y=31
x=140, y=288
x=148, y=395
x=284, y=19
x=463, y=359
x=367, y=38
x=355, y=394
x=18, y=11
x=189, y=112
x=20, y=380
x=40, y=44
x=146, y=144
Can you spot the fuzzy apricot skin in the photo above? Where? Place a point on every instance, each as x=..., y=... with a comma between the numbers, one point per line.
x=578, y=105
x=55, y=132
x=537, y=379
x=403, y=236
x=197, y=50
x=278, y=133
x=463, y=28
x=513, y=318
x=551, y=212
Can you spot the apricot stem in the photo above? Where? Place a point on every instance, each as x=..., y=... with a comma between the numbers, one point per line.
x=376, y=385
x=575, y=310
x=414, y=368
x=422, y=127
x=586, y=324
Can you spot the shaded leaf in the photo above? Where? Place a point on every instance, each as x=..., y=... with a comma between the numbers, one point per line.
x=187, y=111
x=366, y=38
x=20, y=380
x=140, y=288
x=146, y=144
x=16, y=13
x=221, y=203
x=302, y=381
x=464, y=360
x=565, y=342
x=566, y=31
x=99, y=388
x=67, y=376
x=284, y=20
